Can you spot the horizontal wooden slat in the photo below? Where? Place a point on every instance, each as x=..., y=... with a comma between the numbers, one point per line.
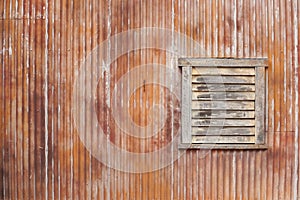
x=216, y=62
x=222, y=87
x=223, y=95
x=223, y=139
x=244, y=146
x=223, y=71
x=224, y=79
x=196, y=114
x=221, y=105
x=223, y=122
x=223, y=131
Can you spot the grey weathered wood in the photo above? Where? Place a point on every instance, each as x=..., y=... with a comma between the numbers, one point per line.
x=223, y=131
x=222, y=87
x=223, y=79
x=223, y=96
x=221, y=105
x=260, y=105
x=207, y=114
x=266, y=103
x=223, y=122
x=217, y=62
x=186, y=105
x=223, y=71
x=224, y=146
x=223, y=139
x=227, y=101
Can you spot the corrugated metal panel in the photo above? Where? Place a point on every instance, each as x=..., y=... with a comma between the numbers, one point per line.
x=42, y=46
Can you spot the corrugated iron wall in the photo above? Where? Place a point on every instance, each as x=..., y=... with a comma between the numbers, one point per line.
x=42, y=46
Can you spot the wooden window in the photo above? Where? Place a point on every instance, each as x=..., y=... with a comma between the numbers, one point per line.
x=223, y=103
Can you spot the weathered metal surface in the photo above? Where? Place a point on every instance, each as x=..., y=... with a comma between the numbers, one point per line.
x=42, y=44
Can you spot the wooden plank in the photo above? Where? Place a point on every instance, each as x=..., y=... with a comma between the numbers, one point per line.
x=223, y=96
x=222, y=87
x=186, y=105
x=224, y=79
x=223, y=131
x=223, y=147
x=223, y=139
x=207, y=114
x=223, y=122
x=260, y=105
x=222, y=105
x=223, y=71
x=228, y=62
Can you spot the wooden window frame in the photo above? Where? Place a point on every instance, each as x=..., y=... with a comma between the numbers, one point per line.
x=260, y=65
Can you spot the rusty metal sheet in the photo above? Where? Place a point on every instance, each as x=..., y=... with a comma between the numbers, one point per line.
x=45, y=44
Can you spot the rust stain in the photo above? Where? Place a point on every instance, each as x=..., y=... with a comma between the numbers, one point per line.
x=71, y=29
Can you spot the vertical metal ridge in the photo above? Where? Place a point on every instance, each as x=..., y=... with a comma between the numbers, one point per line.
x=41, y=46
x=46, y=99
x=2, y=107
x=295, y=183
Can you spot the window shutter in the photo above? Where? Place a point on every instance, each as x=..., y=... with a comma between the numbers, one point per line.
x=223, y=102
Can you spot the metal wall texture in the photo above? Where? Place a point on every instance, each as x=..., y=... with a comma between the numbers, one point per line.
x=42, y=46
